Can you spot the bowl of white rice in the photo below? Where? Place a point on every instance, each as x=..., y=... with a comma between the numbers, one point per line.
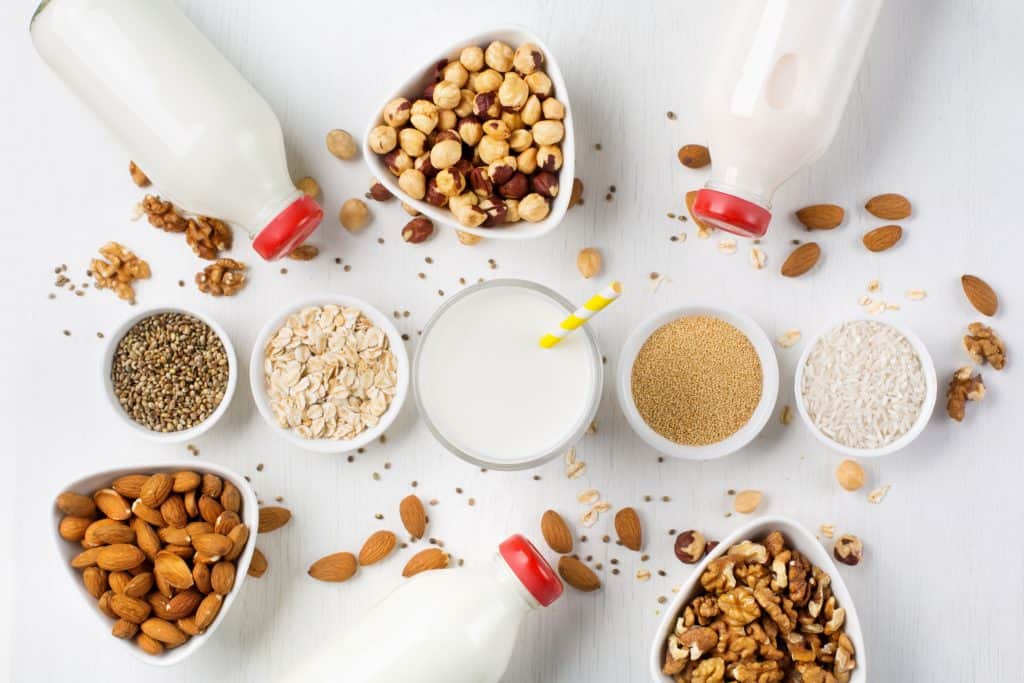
x=866, y=388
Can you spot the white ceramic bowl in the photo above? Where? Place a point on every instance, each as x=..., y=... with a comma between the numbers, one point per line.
x=412, y=89
x=88, y=484
x=931, y=391
x=259, y=390
x=743, y=436
x=796, y=537
x=167, y=437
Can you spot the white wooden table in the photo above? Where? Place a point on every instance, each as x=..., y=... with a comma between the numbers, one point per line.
x=935, y=115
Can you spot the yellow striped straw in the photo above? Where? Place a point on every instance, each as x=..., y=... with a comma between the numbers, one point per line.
x=582, y=314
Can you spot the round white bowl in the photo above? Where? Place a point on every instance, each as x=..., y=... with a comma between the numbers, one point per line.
x=90, y=483
x=167, y=437
x=797, y=537
x=258, y=384
x=931, y=391
x=743, y=436
x=412, y=88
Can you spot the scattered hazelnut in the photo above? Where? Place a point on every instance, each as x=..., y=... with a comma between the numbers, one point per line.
x=491, y=149
x=496, y=128
x=527, y=58
x=417, y=230
x=472, y=58
x=533, y=208
x=467, y=238
x=520, y=140
x=396, y=113
x=549, y=157
x=412, y=141
x=850, y=475
x=354, y=215
x=502, y=170
x=378, y=192
x=516, y=188
x=138, y=177
x=513, y=92
x=498, y=56
x=383, y=139
x=445, y=154
x=413, y=183
x=848, y=549
x=308, y=186
x=539, y=84
x=447, y=95
x=341, y=144
x=588, y=262
x=527, y=160
x=545, y=184
x=548, y=132
x=532, y=110
x=470, y=130
x=553, y=109
x=398, y=160
x=577, y=192
x=449, y=182
x=423, y=115
x=690, y=546
x=455, y=73
x=747, y=501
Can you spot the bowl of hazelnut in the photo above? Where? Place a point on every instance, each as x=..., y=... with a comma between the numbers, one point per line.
x=482, y=140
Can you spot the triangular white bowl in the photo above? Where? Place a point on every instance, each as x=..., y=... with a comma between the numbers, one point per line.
x=412, y=89
x=796, y=537
x=66, y=551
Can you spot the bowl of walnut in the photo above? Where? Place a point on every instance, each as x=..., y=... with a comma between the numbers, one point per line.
x=482, y=139
x=767, y=605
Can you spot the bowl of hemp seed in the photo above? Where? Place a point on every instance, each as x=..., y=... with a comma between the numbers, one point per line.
x=169, y=374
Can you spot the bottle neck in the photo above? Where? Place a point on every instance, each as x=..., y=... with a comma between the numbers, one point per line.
x=511, y=585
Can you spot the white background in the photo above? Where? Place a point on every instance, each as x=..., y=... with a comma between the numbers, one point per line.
x=935, y=114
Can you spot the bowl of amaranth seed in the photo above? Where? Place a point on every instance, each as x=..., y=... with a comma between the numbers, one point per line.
x=169, y=374
x=698, y=381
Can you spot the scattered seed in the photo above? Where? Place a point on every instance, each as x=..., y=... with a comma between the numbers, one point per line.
x=471, y=501
x=615, y=571
x=376, y=476
x=347, y=268
x=427, y=259
x=661, y=572
x=378, y=516
x=671, y=115
x=284, y=271
x=643, y=575
x=597, y=146
x=662, y=599
x=536, y=477
x=916, y=294
x=787, y=415
x=259, y=467
x=433, y=501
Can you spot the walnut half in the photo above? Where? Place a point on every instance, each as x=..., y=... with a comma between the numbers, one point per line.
x=119, y=271
x=223, y=277
x=984, y=345
x=964, y=387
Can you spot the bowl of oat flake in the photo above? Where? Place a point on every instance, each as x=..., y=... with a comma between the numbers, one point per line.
x=866, y=388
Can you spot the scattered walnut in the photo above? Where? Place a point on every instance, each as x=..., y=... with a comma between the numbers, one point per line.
x=119, y=271
x=984, y=346
x=304, y=252
x=208, y=236
x=963, y=387
x=163, y=215
x=138, y=177
x=223, y=277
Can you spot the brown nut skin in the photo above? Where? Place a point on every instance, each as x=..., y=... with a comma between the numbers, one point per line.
x=545, y=184
x=690, y=546
x=397, y=160
x=496, y=211
x=423, y=165
x=449, y=182
x=549, y=157
x=848, y=549
x=502, y=170
x=380, y=193
x=480, y=181
x=486, y=105
x=516, y=187
x=396, y=112
x=417, y=230
x=435, y=197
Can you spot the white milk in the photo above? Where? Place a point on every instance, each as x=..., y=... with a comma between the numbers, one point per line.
x=775, y=100
x=487, y=387
x=209, y=142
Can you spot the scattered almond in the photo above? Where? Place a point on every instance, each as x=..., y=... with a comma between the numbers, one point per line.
x=981, y=296
x=426, y=560
x=556, y=532
x=138, y=177
x=336, y=567
x=588, y=262
x=258, y=564
x=889, y=207
x=414, y=518
x=747, y=501
x=801, y=259
x=578, y=575
x=627, y=526
x=882, y=238
x=694, y=156
x=821, y=216
x=272, y=518
x=378, y=546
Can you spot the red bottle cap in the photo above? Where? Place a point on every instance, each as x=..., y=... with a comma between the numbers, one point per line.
x=531, y=568
x=288, y=229
x=732, y=214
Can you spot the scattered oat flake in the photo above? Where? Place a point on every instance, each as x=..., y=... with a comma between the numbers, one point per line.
x=828, y=530
x=879, y=494
x=864, y=300
x=787, y=415
x=658, y=281
x=875, y=307
x=570, y=456
x=588, y=496
x=789, y=338
x=575, y=470
x=704, y=232
x=916, y=294
x=757, y=258
x=727, y=246
x=589, y=518
x=643, y=575
x=602, y=506
x=874, y=286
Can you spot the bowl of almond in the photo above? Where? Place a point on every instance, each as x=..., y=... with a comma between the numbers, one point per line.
x=158, y=552
x=481, y=139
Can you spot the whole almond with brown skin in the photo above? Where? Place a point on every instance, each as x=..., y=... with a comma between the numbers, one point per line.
x=130, y=485
x=378, y=546
x=156, y=489
x=425, y=560
x=202, y=575
x=108, y=531
x=202, y=527
x=185, y=552
x=186, y=481
x=417, y=230
x=124, y=629
x=627, y=526
x=578, y=575
x=222, y=578
x=231, y=497
x=273, y=518
x=556, y=532
x=207, y=610
x=119, y=557
x=164, y=631
x=86, y=558
x=95, y=580
x=882, y=238
x=588, y=262
x=139, y=585
x=181, y=605
x=414, y=518
x=821, y=216
x=73, y=528
x=239, y=536
x=174, y=536
x=212, y=485
x=801, y=259
x=336, y=567
x=889, y=207
x=209, y=508
x=118, y=581
x=104, y=604
x=148, y=644
x=151, y=515
x=173, y=511
x=147, y=539
x=226, y=521
x=981, y=296
x=192, y=503
x=171, y=568
x=76, y=505
x=258, y=564
x=694, y=156
x=188, y=625
x=212, y=544
x=130, y=609
x=112, y=504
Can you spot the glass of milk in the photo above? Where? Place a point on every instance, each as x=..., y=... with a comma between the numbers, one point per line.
x=489, y=392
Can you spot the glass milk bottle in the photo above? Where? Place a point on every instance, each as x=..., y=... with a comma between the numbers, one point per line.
x=191, y=122
x=775, y=100
x=442, y=626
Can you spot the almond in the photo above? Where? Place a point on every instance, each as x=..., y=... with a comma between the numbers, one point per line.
x=130, y=485
x=209, y=508
x=139, y=585
x=801, y=259
x=588, y=262
x=226, y=521
x=414, y=518
x=108, y=531
x=188, y=625
x=124, y=629
x=231, y=497
x=112, y=504
x=578, y=575
x=821, y=216
x=207, y=611
x=156, y=489
x=378, y=546
x=198, y=528
x=627, y=526
x=556, y=532
x=202, y=575
x=129, y=609
x=173, y=511
x=164, y=631
x=86, y=558
x=119, y=557
x=95, y=580
x=217, y=545
x=425, y=560
x=192, y=503
x=76, y=505
x=273, y=518
x=882, y=238
x=239, y=536
x=694, y=156
x=337, y=567
x=185, y=552
x=889, y=207
x=981, y=296
x=146, y=538
x=171, y=568
x=258, y=564
x=151, y=515
x=73, y=528
x=212, y=485
x=149, y=645
x=118, y=581
x=174, y=536
x=222, y=578
x=104, y=604
x=182, y=605
x=186, y=481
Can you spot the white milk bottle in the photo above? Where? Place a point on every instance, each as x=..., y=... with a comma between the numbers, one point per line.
x=775, y=100
x=442, y=626
x=192, y=123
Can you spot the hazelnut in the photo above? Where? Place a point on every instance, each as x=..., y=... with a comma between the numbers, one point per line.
x=378, y=192
x=464, y=166
x=470, y=216
x=412, y=141
x=467, y=238
x=513, y=92
x=396, y=112
x=545, y=184
x=491, y=149
x=588, y=262
x=531, y=111
x=438, y=69
x=423, y=115
x=527, y=58
x=455, y=73
x=341, y=144
x=480, y=181
x=446, y=119
x=485, y=105
x=496, y=128
x=472, y=58
x=463, y=200
x=397, y=160
x=690, y=546
x=383, y=139
x=512, y=119
x=422, y=164
x=848, y=549
x=548, y=132
x=496, y=211
x=502, y=170
x=850, y=475
x=520, y=140
x=512, y=206
x=447, y=95
x=445, y=153
x=450, y=182
x=308, y=186
x=428, y=91
x=485, y=81
x=576, y=194
x=465, y=106
x=434, y=196
x=533, y=208
x=527, y=160
x=413, y=183
x=354, y=215
x=412, y=211
x=417, y=230
x=539, y=84
x=515, y=188
x=441, y=135
x=470, y=130
x=553, y=109
x=549, y=157
x=498, y=56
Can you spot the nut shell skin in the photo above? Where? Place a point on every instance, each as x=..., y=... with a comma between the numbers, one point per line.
x=690, y=546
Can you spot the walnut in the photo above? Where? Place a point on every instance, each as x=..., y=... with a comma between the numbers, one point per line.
x=163, y=215
x=821, y=584
x=774, y=543
x=758, y=672
x=698, y=640
x=780, y=577
x=718, y=577
x=749, y=551
x=983, y=345
x=800, y=649
x=963, y=388
x=709, y=671
x=812, y=673
x=739, y=606
x=799, y=570
x=752, y=575
x=835, y=616
x=119, y=271
x=676, y=656
x=305, y=252
x=740, y=648
x=223, y=277
x=706, y=608
x=208, y=236
x=776, y=607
